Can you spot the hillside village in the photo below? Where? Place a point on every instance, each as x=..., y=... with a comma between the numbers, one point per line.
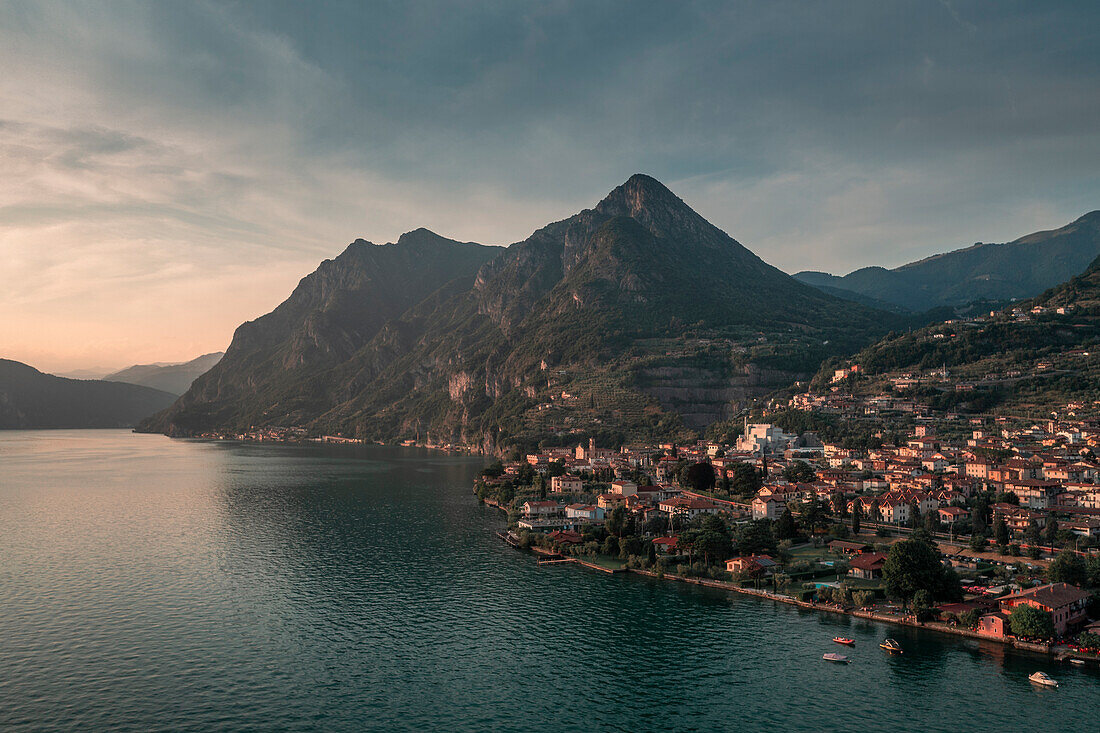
x=1008, y=512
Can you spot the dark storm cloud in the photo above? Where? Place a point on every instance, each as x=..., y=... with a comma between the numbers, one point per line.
x=210, y=137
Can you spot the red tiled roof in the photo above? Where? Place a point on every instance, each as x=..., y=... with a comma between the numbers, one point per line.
x=868, y=561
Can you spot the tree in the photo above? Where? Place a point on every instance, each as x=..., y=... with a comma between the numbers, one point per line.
x=863, y=598
x=1050, y=532
x=755, y=538
x=713, y=541
x=1031, y=622
x=922, y=605
x=1092, y=570
x=840, y=505
x=556, y=468
x=785, y=527
x=814, y=515
x=1000, y=531
x=979, y=513
x=914, y=515
x=1031, y=534
x=856, y=512
x=913, y=565
x=616, y=520
x=970, y=618
x=652, y=554
x=610, y=545
x=745, y=480
x=699, y=476
x=932, y=521
x=799, y=472
x=1068, y=567
x=656, y=525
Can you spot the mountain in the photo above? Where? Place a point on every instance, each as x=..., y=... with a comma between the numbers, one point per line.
x=995, y=272
x=627, y=319
x=167, y=377
x=30, y=399
x=1040, y=354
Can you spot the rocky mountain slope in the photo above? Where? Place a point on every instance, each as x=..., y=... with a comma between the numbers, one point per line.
x=994, y=272
x=30, y=399
x=629, y=317
x=173, y=378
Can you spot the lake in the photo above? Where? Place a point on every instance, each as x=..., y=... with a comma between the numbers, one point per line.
x=153, y=584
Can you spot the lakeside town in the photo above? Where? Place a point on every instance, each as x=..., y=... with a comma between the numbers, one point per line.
x=981, y=526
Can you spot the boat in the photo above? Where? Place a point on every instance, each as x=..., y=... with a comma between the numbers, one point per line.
x=845, y=641
x=1078, y=662
x=1042, y=678
x=891, y=646
x=837, y=658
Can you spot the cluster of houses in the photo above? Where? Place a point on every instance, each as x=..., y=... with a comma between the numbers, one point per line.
x=1049, y=468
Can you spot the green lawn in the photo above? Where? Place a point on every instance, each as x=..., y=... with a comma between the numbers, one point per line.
x=606, y=561
x=809, y=552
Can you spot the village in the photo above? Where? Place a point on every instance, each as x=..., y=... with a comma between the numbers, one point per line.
x=983, y=527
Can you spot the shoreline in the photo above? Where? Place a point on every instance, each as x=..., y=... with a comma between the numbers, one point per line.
x=1049, y=650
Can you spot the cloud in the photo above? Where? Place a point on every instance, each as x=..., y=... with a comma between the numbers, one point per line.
x=172, y=169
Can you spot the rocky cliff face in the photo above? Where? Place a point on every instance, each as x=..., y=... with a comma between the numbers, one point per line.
x=623, y=317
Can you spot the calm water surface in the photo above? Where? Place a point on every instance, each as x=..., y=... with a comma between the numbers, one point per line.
x=150, y=584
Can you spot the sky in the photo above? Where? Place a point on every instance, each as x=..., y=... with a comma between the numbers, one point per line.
x=171, y=170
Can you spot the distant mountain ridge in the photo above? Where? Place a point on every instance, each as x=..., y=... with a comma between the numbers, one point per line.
x=166, y=376
x=1040, y=354
x=1019, y=269
x=633, y=316
x=30, y=399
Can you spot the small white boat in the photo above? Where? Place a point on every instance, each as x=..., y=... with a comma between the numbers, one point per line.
x=837, y=658
x=1042, y=678
x=1078, y=662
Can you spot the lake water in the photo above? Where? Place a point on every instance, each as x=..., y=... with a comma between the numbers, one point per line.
x=149, y=584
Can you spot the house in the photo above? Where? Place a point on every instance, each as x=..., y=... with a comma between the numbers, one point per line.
x=768, y=508
x=537, y=509
x=585, y=512
x=752, y=565
x=894, y=512
x=566, y=537
x=566, y=485
x=680, y=506
x=848, y=548
x=867, y=566
x=610, y=501
x=1065, y=603
x=624, y=488
x=665, y=545
x=952, y=514
x=994, y=624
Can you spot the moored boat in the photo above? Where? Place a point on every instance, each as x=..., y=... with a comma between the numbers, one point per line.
x=837, y=658
x=1042, y=678
x=891, y=646
x=844, y=640
x=1078, y=662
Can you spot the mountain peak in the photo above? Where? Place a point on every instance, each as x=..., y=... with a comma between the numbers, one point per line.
x=638, y=192
x=650, y=203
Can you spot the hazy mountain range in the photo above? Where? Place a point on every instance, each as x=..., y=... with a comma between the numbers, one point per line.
x=995, y=272
x=30, y=399
x=167, y=377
